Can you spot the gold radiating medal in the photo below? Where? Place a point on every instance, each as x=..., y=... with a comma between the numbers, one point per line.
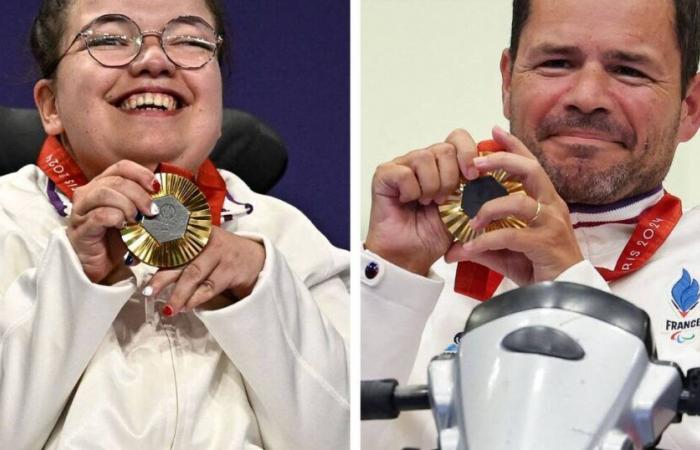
x=466, y=201
x=181, y=229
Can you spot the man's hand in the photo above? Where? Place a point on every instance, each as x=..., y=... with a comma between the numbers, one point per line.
x=103, y=206
x=544, y=249
x=405, y=226
x=228, y=265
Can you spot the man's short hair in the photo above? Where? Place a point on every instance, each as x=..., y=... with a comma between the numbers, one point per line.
x=687, y=34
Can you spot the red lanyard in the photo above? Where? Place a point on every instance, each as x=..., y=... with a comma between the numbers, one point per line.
x=653, y=228
x=60, y=167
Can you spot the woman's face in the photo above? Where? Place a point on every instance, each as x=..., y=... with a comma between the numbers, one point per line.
x=85, y=100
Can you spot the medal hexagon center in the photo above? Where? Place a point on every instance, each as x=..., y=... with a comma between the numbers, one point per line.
x=171, y=222
x=477, y=192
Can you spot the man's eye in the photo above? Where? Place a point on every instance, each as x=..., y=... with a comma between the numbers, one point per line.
x=556, y=64
x=629, y=72
x=108, y=40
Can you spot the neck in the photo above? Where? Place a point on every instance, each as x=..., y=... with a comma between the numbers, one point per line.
x=92, y=166
x=619, y=204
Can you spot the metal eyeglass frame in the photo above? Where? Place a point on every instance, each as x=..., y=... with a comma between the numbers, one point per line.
x=140, y=39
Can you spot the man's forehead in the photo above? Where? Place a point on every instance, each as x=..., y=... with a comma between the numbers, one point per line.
x=652, y=15
x=644, y=25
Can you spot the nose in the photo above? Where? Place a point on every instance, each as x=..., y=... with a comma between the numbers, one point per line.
x=152, y=60
x=590, y=90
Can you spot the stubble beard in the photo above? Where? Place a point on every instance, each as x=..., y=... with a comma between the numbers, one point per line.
x=577, y=181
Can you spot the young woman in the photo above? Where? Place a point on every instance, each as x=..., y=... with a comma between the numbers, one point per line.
x=241, y=347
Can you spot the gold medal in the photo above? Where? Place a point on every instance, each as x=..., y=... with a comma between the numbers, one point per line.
x=179, y=232
x=465, y=202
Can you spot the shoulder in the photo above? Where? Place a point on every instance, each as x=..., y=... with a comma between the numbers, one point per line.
x=688, y=226
x=21, y=193
x=24, y=181
x=24, y=206
x=26, y=217
x=691, y=215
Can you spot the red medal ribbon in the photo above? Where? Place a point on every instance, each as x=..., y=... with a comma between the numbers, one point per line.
x=60, y=167
x=472, y=279
x=653, y=228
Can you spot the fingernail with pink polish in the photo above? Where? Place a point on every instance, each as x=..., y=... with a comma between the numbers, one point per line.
x=155, y=185
x=168, y=310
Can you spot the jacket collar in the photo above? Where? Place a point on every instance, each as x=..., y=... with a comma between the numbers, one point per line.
x=623, y=211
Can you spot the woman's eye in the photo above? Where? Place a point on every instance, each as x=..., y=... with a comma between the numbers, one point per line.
x=191, y=41
x=108, y=40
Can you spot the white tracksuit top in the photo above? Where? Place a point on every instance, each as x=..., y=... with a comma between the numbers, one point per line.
x=82, y=366
x=408, y=319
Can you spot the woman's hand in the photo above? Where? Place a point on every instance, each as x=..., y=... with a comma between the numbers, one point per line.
x=106, y=204
x=228, y=265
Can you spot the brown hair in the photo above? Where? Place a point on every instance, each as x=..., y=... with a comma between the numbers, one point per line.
x=50, y=25
x=687, y=34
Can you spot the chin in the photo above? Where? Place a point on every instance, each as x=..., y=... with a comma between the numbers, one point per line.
x=585, y=180
x=154, y=146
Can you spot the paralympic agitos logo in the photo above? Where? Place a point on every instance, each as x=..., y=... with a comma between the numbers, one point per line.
x=685, y=294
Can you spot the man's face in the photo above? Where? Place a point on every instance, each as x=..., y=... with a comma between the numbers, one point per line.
x=90, y=99
x=595, y=94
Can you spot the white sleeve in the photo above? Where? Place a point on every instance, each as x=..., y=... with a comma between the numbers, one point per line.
x=293, y=360
x=584, y=273
x=52, y=320
x=396, y=305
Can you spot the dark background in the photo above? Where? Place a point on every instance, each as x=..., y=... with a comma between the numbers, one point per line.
x=290, y=68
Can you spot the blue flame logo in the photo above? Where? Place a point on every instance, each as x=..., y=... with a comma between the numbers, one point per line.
x=686, y=293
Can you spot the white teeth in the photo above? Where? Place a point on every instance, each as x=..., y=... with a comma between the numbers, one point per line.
x=149, y=101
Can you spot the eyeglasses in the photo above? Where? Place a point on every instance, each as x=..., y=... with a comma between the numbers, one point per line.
x=114, y=40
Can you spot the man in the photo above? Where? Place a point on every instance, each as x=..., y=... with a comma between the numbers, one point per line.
x=598, y=95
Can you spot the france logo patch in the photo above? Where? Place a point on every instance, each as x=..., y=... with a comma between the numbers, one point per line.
x=685, y=293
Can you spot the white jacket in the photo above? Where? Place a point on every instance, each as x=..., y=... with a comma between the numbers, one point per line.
x=407, y=319
x=85, y=366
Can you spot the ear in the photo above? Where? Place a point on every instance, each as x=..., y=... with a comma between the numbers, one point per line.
x=690, y=111
x=506, y=77
x=45, y=99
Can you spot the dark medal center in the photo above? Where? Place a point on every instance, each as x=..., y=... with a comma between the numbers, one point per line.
x=171, y=223
x=476, y=193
